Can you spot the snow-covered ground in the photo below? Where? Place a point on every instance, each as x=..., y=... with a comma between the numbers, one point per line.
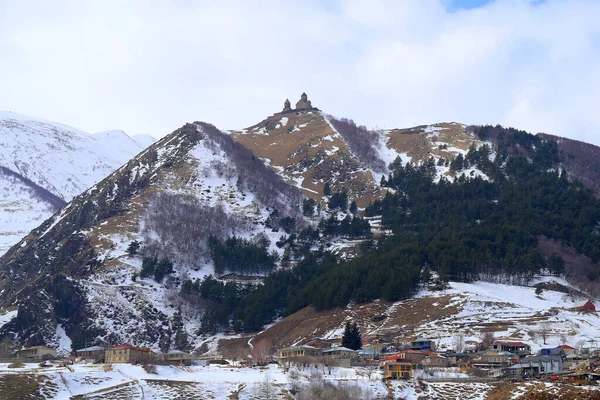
x=218, y=382
x=515, y=312
x=21, y=210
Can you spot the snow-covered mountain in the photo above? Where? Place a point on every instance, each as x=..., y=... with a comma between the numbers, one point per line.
x=64, y=161
x=198, y=182
x=193, y=183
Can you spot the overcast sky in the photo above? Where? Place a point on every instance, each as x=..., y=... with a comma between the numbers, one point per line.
x=149, y=66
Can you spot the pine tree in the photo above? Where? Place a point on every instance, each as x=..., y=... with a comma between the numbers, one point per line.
x=133, y=248
x=353, y=207
x=351, y=338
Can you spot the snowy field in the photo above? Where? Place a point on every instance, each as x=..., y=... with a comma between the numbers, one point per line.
x=123, y=381
x=513, y=312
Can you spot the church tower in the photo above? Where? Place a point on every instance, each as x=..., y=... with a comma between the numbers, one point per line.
x=303, y=103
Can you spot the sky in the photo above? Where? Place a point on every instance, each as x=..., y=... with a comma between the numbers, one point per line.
x=149, y=66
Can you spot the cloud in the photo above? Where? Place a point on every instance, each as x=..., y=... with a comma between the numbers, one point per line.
x=150, y=66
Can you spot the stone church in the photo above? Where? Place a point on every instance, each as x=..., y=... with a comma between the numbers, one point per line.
x=302, y=104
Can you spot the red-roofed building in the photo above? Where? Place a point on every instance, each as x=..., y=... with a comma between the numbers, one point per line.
x=567, y=349
x=412, y=356
x=127, y=354
x=587, y=307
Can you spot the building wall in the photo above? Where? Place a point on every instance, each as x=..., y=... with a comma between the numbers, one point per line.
x=397, y=371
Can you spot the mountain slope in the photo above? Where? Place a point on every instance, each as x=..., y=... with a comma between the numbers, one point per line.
x=76, y=274
x=73, y=272
x=24, y=206
x=46, y=156
x=309, y=149
x=467, y=309
x=580, y=160
x=304, y=148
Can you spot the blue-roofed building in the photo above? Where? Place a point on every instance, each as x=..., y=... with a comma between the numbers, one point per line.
x=556, y=351
x=422, y=344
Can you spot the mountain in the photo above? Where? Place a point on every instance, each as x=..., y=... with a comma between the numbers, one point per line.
x=580, y=160
x=45, y=164
x=144, y=140
x=119, y=147
x=209, y=231
x=309, y=148
x=191, y=184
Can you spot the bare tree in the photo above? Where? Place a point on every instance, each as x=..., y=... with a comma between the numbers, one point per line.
x=487, y=339
x=266, y=389
x=458, y=342
x=262, y=350
x=563, y=338
x=294, y=378
x=544, y=330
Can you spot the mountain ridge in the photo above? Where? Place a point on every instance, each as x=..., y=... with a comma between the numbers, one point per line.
x=52, y=157
x=199, y=182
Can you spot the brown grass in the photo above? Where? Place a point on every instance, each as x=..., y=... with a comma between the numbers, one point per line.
x=297, y=151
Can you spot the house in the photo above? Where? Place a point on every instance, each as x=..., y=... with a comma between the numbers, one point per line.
x=496, y=373
x=412, y=356
x=366, y=354
x=435, y=360
x=458, y=359
x=95, y=353
x=126, y=354
x=299, y=351
x=339, y=353
x=545, y=364
x=394, y=369
x=519, y=348
x=491, y=360
x=567, y=349
x=587, y=307
x=556, y=351
x=37, y=353
x=422, y=344
x=522, y=370
x=177, y=357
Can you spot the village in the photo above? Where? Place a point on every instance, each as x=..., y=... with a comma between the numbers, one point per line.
x=377, y=357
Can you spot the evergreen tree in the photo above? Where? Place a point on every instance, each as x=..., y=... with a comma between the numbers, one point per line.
x=556, y=264
x=180, y=339
x=351, y=338
x=308, y=207
x=353, y=207
x=133, y=248
x=163, y=268
x=148, y=266
x=327, y=189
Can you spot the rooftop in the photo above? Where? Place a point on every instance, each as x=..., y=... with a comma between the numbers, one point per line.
x=341, y=348
x=93, y=348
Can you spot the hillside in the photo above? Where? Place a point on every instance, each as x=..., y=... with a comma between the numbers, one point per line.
x=191, y=184
x=212, y=232
x=310, y=148
x=305, y=149
x=580, y=160
x=45, y=164
x=464, y=310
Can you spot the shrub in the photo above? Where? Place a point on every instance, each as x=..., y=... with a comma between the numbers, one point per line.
x=150, y=368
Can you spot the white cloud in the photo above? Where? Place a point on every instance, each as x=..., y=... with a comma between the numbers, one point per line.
x=150, y=66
